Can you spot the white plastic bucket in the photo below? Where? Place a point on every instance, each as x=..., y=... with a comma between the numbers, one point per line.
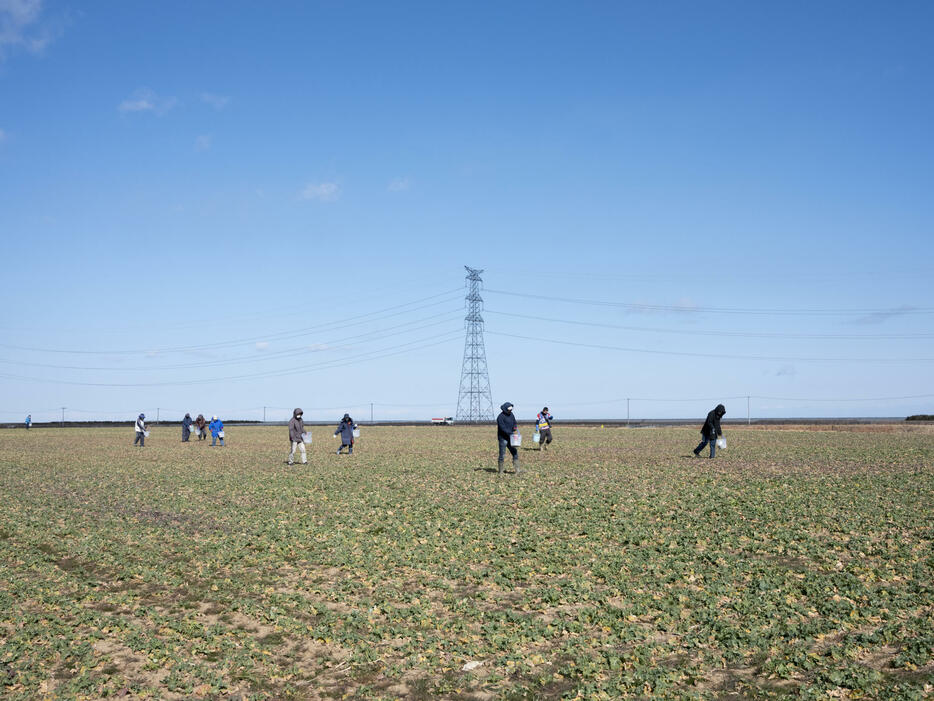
x=515, y=440
x=356, y=433
x=196, y=431
x=145, y=434
x=220, y=434
x=721, y=443
x=536, y=437
x=306, y=437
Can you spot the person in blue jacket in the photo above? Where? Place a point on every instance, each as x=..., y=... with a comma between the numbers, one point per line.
x=506, y=425
x=217, y=428
x=28, y=421
x=345, y=428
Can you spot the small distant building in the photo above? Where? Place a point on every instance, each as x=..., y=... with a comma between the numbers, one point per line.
x=445, y=421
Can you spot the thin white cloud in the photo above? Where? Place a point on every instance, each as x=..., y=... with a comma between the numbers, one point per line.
x=146, y=100
x=322, y=192
x=216, y=101
x=204, y=142
x=884, y=315
x=262, y=345
x=21, y=26
x=399, y=184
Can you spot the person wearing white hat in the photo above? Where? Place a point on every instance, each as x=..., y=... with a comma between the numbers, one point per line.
x=217, y=430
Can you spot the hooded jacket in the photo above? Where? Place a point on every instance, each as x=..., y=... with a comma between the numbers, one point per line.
x=200, y=422
x=345, y=428
x=216, y=426
x=506, y=424
x=296, y=427
x=711, y=428
x=186, y=422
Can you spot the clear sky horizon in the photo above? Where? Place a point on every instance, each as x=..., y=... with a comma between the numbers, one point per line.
x=216, y=209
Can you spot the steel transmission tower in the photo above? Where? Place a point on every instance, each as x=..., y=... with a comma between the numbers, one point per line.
x=474, y=401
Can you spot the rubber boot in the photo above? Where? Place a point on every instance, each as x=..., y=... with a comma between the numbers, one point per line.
x=500, y=467
x=515, y=467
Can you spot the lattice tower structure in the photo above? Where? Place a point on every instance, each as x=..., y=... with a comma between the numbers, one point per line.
x=474, y=400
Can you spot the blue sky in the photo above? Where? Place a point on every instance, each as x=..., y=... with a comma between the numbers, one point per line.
x=226, y=207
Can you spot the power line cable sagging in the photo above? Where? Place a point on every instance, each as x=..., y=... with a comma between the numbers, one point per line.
x=337, y=350
x=634, y=306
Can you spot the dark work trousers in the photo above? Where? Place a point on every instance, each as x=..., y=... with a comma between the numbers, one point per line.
x=713, y=446
x=140, y=438
x=503, y=446
x=186, y=434
x=544, y=436
x=349, y=447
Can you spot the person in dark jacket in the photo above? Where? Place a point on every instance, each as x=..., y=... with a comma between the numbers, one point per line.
x=186, y=428
x=711, y=430
x=506, y=425
x=296, y=429
x=346, y=428
x=202, y=427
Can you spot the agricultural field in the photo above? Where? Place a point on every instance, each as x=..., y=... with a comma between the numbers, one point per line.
x=798, y=563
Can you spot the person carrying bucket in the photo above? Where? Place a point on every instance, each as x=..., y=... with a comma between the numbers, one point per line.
x=543, y=424
x=28, y=421
x=186, y=428
x=140, y=431
x=296, y=429
x=710, y=431
x=201, y=426
x=506, y=427
x=217, y=430
x=345, y=429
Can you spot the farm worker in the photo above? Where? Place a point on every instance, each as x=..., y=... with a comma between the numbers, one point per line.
x=217, y=429
x=543, y=423
x=140, y=430
x=186, y=428
x=711, y=430
x=201, y=424
x=28, y=421
x=346, y=428
x=296, y=429
x=506, y=425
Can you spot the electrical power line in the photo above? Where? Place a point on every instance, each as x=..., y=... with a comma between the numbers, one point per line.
x=340, y=362
x=699, y=332
x=728, y=356
x=350, y=321
x=377, y=335
x=716, y=310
